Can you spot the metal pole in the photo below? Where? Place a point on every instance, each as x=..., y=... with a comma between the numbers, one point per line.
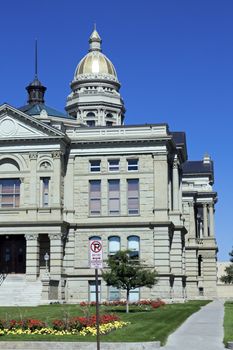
x=97, y=310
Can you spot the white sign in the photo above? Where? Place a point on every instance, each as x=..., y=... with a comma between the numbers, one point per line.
x=96, y=254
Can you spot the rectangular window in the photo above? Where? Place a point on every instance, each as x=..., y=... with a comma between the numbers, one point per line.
x=113, y=293
x=94, y=166
x=132, y=164
x=114, y=197
x=134, y=295
x=113, y=164
x=133, y=196
x=92, y=294
x=95, y=197
x=9, y=193
x=45, y=191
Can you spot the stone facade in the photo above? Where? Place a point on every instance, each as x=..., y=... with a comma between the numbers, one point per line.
x=67, y=178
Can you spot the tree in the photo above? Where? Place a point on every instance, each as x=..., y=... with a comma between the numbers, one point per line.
x=127, y=272
x=228, y=277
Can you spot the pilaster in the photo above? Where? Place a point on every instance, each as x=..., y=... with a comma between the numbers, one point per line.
x=56, y=255
x=33, y=178
x=32, y=257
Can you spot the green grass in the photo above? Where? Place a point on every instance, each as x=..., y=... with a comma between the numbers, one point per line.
x=146, y=325
x=228, y=322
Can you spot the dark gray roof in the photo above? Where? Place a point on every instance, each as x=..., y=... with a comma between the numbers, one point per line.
x=197, y=167
x=35, y=109
x=179, y=138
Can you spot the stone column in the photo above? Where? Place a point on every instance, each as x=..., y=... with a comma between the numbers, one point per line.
x=56, y=255
x=205, y=218
x=175, y=175
x=32, y=256
x=56, y=178
x=192, y=221
x=160, y=186
x=33, y=178
x=211, y=216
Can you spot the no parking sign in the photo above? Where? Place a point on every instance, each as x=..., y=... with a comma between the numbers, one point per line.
x=96, y=254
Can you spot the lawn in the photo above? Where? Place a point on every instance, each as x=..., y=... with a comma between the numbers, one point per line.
x=228, y=322
x=145, y=325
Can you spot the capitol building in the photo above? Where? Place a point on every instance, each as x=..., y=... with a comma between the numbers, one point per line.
x=69, y=177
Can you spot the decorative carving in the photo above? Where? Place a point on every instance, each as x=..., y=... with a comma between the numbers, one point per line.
x=55, y=236
x=31, y=236
x=45, y=166
x=33, y=155
x=56, y=154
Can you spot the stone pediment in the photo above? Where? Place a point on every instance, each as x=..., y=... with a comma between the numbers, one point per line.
x=14, y=124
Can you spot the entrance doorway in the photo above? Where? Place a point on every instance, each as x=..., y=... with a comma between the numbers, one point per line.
x=12, y=254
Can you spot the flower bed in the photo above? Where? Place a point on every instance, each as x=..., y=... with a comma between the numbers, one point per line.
x=153, y=303
x=75, y=325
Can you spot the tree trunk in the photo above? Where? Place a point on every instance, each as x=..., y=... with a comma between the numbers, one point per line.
x=127, y=301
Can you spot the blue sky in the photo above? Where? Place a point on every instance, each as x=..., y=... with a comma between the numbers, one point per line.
x=174, y=59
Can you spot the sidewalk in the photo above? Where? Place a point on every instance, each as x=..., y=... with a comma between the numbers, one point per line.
x=202, y=331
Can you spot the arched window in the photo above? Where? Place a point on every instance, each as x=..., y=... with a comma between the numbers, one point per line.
x=113, y=245
x=90, y=119
x=109, y=115
x=134, y=246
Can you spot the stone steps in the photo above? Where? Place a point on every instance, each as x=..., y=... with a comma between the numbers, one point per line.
x=16, y=291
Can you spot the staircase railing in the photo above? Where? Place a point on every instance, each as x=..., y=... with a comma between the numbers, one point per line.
x=2, y=277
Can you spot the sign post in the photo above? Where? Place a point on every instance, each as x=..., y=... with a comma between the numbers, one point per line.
x=96, y=262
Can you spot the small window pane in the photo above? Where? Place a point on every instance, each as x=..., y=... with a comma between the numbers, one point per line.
x=132, y=164
x=94, y=165
x=113, y=165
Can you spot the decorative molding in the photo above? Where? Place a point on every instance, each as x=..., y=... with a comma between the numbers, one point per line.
x=31, y=236
x=53, y=236
x=56, y=154
x=33, y=155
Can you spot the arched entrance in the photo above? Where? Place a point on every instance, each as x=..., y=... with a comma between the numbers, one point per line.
x=12, y=254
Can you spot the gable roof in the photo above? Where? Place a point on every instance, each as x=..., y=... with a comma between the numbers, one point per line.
x=15, y=124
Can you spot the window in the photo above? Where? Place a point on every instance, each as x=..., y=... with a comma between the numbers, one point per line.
x=133, y=196
x=132, y=164
x=113, y=245
x=94, y=166
x=9, y=193
x=92, y=295
x=109, y=123
x=113, y=164
x=200, y=262
x=134, y=246
x=45, y=191
x=134, y=295
x=113, y=293
x=114, y=197
x=90, y=123
x=95, y=197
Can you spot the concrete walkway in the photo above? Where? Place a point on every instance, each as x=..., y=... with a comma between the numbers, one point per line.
x=201, y=331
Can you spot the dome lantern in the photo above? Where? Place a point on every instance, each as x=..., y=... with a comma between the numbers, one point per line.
x=95, y=41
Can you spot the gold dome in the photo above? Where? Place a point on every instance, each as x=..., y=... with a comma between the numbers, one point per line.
x=95, y=63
